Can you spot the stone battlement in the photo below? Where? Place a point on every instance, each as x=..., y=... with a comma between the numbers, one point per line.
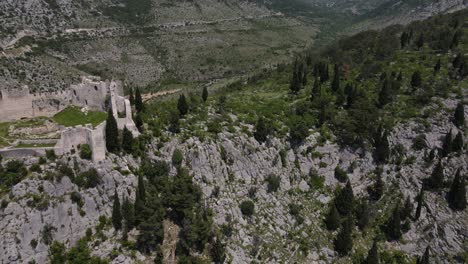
x=90, y=93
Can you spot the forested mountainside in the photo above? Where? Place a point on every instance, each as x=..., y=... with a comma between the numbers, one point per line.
x=354, y=154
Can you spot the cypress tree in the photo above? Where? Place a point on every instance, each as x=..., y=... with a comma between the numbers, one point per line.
x=315, y=90
x=127, y=140
x=218, y=251
x=385, y=94
x=362, y=214
x=261, y=131
x=459, y=115
x=416, y=79
x=304, y=75
x=139, y=122
x=425, y=258
x=404, y=38
x=131, y=97
x=332, y=220
x=182, y=105
x=345, y=200
x=128, y=213
x=436, y=181
x=437, y=67
x=447, y=144
x=116, y=215
x=138, y=101
x=457, y=194
x=393, y=227
x=420, y=200
x=457, y=144
x=296, y=82
x=373, y=255
x=382, y=149
x=420, y=41
x=205, y=94
x=335, y=86
x=378, y=188
x=344, y=242
x=112, y=133
x=140, y=199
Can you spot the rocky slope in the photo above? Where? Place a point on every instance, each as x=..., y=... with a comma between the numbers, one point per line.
x=232, y=168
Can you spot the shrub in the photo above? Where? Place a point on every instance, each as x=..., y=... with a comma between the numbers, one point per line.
x=273, y=183
x=177, y=157
x=340, y=174
x=50, y=155
x=247, y=208
x=35, y=168
x=88, y=179
x=76, y=198
x=85, y=152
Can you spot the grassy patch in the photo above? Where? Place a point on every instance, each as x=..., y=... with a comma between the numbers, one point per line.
x=72, y=116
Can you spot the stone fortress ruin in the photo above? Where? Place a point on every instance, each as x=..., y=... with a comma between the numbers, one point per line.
x=90, y=94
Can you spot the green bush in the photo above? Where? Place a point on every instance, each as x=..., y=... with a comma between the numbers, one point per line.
x=273, y=183
x=85, y=151
x=247, y=208
x=419, y=142
x=88, y=179
x=177, y=157
x=50, y=155
x=340, y=174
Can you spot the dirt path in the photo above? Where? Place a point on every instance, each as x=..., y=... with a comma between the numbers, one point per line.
x=148, y=96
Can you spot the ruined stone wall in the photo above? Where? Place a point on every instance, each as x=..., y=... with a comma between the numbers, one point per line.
x=91, y=93
x=71, y=138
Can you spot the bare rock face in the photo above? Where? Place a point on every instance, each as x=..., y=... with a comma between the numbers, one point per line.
x=40, y=211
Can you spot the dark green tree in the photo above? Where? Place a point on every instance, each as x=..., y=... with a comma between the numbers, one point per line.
x=393, y=226
x=205, y=94
x=174, y=122
x=344, y=242
x=151, y=225
x=218, y=251
x=138, y=101
x=335, y=86
x=296, y=82
x=140, y=198
x=420, y=200
x=378, y=188
x=457, y=144
x=416, y=79
x=127, y=140
x=404, y=39
x=261, y=130
x=362, y=214
x=385, y=94
x=436, y=181
x=315, y=90
x=139, y=122
x=437, y=67
x=128, y=213
x=182, y=105
x=459, y=116
x=116, y=214
x=373, y=255
x=332, y=219
x=457, y=194
x=344, y=201
x=131, y=97
x=447, y=147
x=382, y=147
x=420, y=41
x=112, y=133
